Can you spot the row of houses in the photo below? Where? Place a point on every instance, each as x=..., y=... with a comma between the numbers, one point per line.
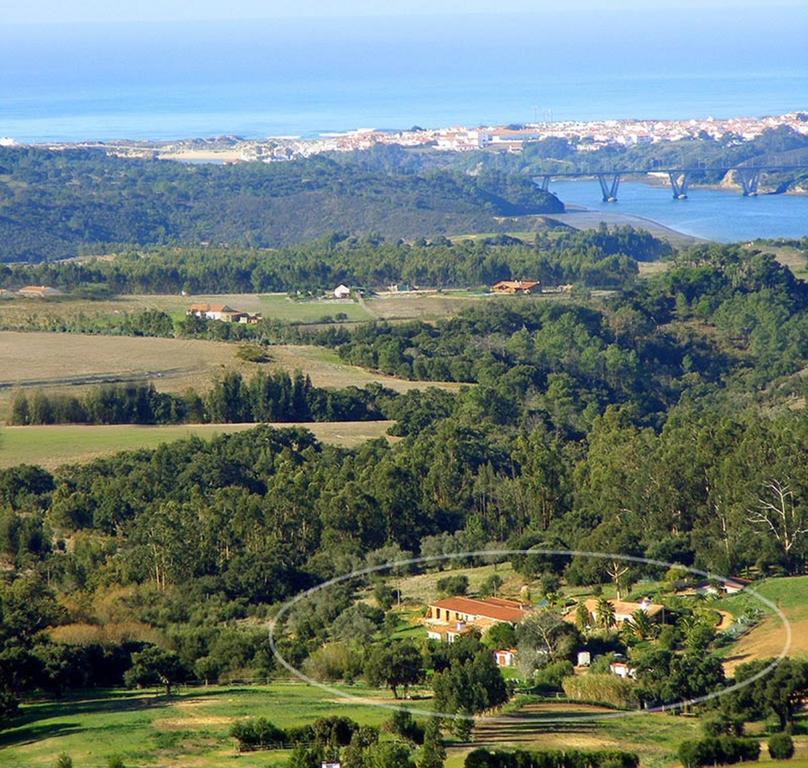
x=448, y=619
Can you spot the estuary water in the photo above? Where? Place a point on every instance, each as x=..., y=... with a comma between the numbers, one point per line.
x=712, y=214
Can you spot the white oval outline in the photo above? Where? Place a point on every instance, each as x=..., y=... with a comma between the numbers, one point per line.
x=287, y=606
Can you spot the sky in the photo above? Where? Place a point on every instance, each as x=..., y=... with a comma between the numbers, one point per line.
x=107, y=11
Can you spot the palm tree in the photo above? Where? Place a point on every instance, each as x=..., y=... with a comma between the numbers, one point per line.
x=605, y=613
x=641, y=625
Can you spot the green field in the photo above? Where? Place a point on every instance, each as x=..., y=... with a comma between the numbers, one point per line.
x=767, y=639
x=279, y=306
x=191, y=728
x=72, y=362
x=185, y=730
x=52, y=446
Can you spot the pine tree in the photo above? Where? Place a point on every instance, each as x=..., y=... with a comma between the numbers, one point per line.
x=433, y=753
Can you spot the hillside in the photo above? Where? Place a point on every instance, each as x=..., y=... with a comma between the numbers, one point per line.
x=54, y=203
x=767, y=638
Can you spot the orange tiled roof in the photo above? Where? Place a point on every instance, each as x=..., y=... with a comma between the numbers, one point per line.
x=489, y=607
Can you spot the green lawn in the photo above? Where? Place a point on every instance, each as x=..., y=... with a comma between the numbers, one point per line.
x=186, y=730
x=51, y=446
x=190, y=729
x=280, y=307
x=767, y=638
x=788, y=594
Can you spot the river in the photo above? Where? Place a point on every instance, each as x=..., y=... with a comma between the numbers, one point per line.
x=712, y=214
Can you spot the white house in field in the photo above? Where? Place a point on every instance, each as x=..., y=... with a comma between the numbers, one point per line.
x=342, y=292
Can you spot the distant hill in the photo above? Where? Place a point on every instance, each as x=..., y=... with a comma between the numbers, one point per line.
x=52, y=203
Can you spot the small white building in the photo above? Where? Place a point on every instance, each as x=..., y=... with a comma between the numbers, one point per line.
x=505, y=657
x=342, y=292
x=584, y=659
x=447, y=634
x=622, y=669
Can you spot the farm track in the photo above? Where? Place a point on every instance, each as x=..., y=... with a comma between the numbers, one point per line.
x=96, y=378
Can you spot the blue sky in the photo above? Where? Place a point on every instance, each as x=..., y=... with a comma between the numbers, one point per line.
x=86, y=11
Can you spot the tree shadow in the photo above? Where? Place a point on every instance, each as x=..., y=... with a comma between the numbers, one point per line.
x=31, y=735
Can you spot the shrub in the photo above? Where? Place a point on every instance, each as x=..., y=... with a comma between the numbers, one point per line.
x=781, y=746
x=257, y=734
x=403, y=724
x=551, y=676
x=253, y=353
x=723, y=750
x=334, y=661
x=453, y=585
x=603, y=689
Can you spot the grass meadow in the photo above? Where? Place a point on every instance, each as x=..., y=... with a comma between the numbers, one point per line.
x=53, y=446
x=71, y=362
x=790, y=595
x=190, y=729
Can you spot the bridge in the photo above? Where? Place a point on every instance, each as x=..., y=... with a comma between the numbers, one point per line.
x=748, y=175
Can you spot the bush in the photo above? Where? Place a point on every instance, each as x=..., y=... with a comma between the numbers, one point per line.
x=253, y=353
x=334, y=661
x=551, y=676
x=257, y=734
x=722, y=724
x=781, y=746
x=262, y=734
x=602, y=689
x=404, y=725
x=724, y=750
x=453, y=585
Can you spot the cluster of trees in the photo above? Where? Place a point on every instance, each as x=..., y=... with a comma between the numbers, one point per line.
x=259, y=733
x=266, y=397
x=645, y=349
x=605, y=257
x=56, y=203
x=718, y=750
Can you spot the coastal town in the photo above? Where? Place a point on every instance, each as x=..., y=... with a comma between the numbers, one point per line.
x=585, y=136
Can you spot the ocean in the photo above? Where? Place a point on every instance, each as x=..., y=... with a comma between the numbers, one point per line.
x=304, y=77
x=307, y=76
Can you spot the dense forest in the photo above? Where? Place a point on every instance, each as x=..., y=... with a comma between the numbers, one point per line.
x=647, y=349
x=667, y=423
x=54, y=204
x=604, y=257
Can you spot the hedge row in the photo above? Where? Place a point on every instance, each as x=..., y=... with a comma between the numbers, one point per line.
x=482, y=758
x=260, y=733
x=718, y=750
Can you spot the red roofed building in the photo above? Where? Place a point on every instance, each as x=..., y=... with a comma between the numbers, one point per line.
x=221, y=312
x=516, y=286
x=447, y=619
